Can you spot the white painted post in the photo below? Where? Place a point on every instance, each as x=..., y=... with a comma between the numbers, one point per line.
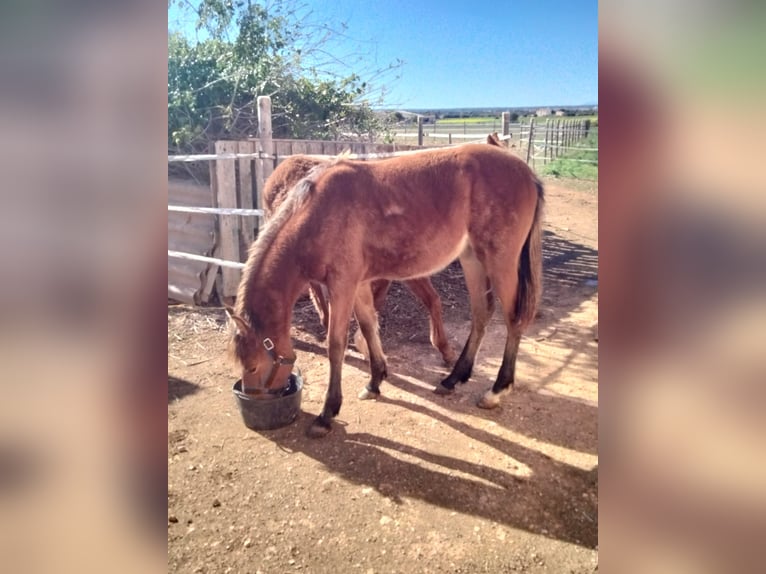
x=529, y=143
x=265, y=141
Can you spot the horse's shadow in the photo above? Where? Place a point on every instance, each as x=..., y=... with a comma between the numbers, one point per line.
x=581, y=437
x=571, y=270
x=568, y=263
x=557, y=500
x=179, y=388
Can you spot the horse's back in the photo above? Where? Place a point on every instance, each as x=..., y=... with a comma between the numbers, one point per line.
x=411, y=215
x=429, y=184
x=284, y=177
x=467, y=173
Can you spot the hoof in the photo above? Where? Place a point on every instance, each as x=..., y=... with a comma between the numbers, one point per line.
x=442, y=390
x=488, y=403
x=449, y=358
x=491, y=400
x=319, y=429
x=366, y=394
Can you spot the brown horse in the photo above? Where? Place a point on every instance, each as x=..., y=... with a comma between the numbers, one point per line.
x=285, y=177
x=351, y=222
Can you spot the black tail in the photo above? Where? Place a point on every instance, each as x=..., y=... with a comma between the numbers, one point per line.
x=531, y=266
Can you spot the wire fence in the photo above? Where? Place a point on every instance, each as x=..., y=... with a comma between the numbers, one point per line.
x=541, y=142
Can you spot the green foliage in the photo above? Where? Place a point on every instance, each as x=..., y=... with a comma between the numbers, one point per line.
x=576, y=164
x=251, y=49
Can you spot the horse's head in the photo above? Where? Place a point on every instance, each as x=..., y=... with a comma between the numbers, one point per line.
x=493, y=139
x=267, y=359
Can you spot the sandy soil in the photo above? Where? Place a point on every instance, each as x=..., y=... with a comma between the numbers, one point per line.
x=413, y=482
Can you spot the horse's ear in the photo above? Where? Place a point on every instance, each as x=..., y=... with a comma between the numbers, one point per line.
x=242, y=327
x=493, y=139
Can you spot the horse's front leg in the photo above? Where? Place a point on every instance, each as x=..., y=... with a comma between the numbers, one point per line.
x=340, y=304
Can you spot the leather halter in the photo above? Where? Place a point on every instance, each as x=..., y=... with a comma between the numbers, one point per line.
x=276, y=362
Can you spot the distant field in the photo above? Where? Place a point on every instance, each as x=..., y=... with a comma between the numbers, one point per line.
x=461, y=121
x=526, y=119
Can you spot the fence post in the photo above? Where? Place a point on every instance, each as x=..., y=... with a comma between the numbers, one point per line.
x=247, y=195
x=529, y=141
x=265, y=137
x=507, y=125
x=554, y=135
x=226, y=188
x=420, y=130
x=547, y=142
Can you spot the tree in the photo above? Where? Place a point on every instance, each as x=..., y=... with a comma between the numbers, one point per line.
x=251, y=48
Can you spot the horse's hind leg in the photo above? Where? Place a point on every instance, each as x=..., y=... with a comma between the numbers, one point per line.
x=316, y=293
x=424, y=290
x=505, y=285
x=366, y=316
x=482, y=305
x=379, y=291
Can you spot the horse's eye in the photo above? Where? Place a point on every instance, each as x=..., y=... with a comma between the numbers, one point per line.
x=252, y=370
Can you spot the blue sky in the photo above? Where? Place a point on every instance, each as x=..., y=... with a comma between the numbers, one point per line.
x=473, y=53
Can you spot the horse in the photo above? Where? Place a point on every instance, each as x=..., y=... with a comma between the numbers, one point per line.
x=348, y=223
x=287, y=175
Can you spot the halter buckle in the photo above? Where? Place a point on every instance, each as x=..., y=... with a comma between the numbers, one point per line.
x=268, y=344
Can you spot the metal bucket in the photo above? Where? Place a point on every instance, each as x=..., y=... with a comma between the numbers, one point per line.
x=260, y=413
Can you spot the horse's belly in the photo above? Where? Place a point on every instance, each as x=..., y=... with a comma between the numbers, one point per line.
x=415, y=260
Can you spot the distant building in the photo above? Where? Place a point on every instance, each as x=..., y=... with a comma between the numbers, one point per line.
x=543, y=112
x=560, y=113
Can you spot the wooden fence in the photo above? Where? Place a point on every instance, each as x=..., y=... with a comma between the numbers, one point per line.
x=238, y=173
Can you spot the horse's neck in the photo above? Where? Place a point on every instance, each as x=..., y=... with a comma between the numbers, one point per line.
x=274, y=291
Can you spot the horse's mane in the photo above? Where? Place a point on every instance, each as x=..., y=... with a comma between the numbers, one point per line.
x=293, y=201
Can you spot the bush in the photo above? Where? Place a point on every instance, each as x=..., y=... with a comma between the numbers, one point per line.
x=213, y=84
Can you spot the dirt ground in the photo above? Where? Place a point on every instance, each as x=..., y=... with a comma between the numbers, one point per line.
x=412, y=482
